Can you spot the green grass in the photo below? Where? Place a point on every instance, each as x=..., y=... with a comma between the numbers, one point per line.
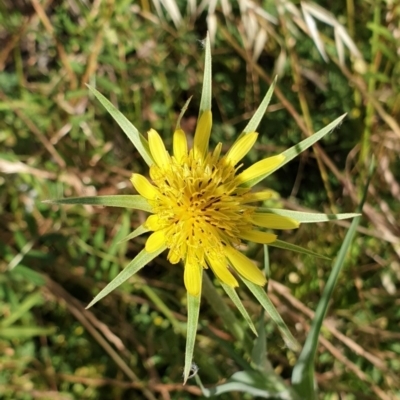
x=57, y=140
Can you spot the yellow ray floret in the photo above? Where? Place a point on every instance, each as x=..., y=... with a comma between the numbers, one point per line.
x=153, y=223
x=273, y=221
x=157, y=149
x=241, y=147
x=192, y=278
x=155, y=241
x=244, y=266
x=260, y=168
x=180, y=145
x=260, y=196
x=258, y=236
x=220, y=269
x=144, y=187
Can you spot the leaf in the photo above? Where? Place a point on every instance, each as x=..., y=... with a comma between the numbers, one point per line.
x=305, y=217
x=193, y=306
x=206, y=92
x=259, y=355
x=255, y=383
x=134, y=266
x=264, y=300
x=30, y=301
x=303, y=371
x=29, y=275
x=259, y=114
x=138, y=140
x=25, y=332
x=127, y=201
x=292, y=247
x=298, y=148
x=239, y=305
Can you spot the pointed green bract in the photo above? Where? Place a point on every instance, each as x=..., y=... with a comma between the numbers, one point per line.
x=138, y=140
x=127, y=201
x=132, y=268
x=137, y=232
x=219, y=306
x=305, y=217
x=239, y=305
x=262, y=108
x=298, y=249
x=193, y=307
x=298, y=148
x=205, y=101
x=184, y=108
x=264, y=300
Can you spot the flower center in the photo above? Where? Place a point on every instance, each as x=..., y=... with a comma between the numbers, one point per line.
x=200, y=208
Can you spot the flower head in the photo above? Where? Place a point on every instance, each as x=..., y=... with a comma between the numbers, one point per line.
x=202, y=208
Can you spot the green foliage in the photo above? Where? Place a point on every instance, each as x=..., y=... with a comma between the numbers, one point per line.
x=57, y=140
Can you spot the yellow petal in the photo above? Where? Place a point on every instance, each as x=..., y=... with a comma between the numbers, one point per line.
x=157, y=148
x=217, y=152
x=202, y=135
x=153, y=222
x=241, y=147
x=259, y=196
x=220, y=269
x=144, y=187
x=192, y=278
x=174, y=257
x=180, y=145
x=273, y=221
x=245, y=266
x=155, y=241
x=260, y=168
x=258, y=237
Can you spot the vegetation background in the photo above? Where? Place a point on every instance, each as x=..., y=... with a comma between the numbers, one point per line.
x=147, y=58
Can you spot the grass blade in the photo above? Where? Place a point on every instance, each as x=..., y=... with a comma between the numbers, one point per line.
x=303, y=371
x=30, y=301
x=25, y=332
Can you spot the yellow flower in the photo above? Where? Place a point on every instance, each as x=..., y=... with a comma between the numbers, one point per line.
x=202, y=208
